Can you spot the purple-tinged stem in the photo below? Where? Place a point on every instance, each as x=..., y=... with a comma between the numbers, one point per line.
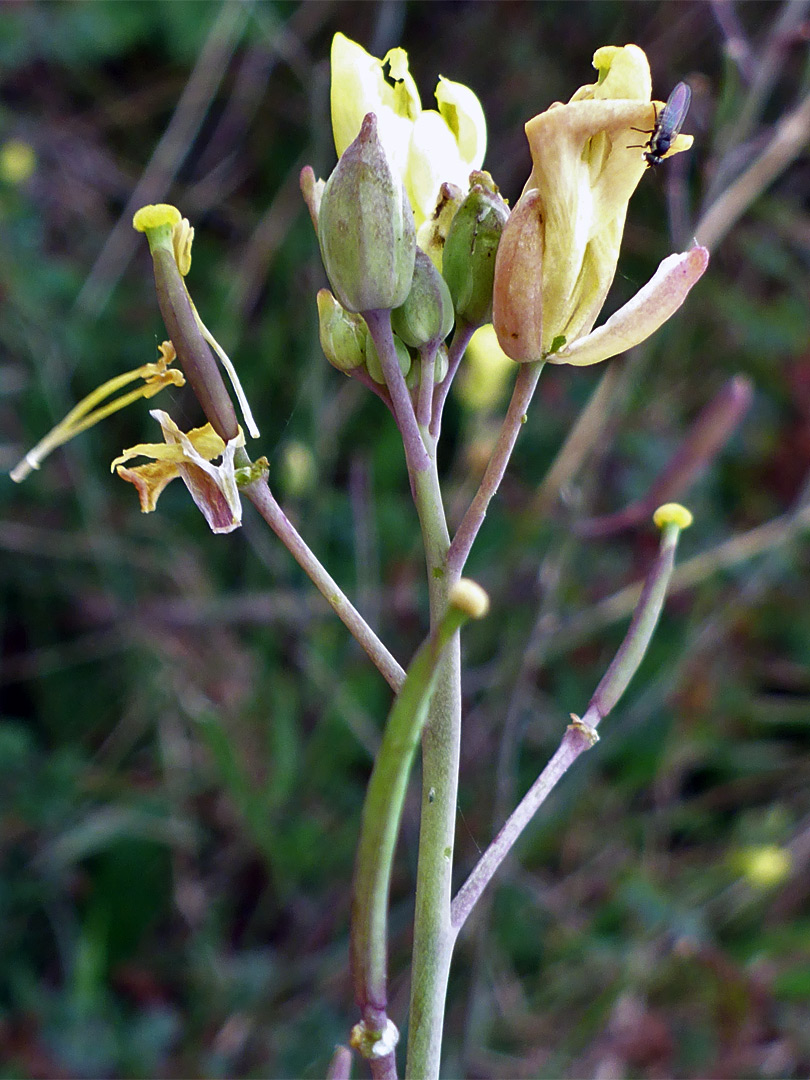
x=461, y=339
x=708, y=434
x=580, y=735
x=574, y=742
x=260, y=495
x=340, y=1067
x=427, y=371
x=525, y=385
x=379, y=326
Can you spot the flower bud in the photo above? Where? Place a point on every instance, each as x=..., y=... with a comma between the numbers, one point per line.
x=517, y=306
x=366, y=228
x=427, y=314
x=373, y=365
x=441, y=366
x=431, y=236
x=468, y=264
x=343, y=335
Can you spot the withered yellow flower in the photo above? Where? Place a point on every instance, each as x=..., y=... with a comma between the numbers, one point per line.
x=560, y=248
x=188, y=455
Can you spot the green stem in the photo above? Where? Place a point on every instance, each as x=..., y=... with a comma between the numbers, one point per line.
x=433, y=933
x=382, y=813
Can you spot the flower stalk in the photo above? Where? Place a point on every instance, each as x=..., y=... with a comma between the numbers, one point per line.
x=581, y=734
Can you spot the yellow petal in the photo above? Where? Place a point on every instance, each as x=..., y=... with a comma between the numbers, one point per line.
x=434, y=159
x=649, y=309
x=359, y=87
x=485, y=372
x=585, y=172
x=461, y=110
x=149, y=481
x=624, y=72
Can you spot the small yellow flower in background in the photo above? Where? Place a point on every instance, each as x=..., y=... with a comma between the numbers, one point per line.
x=486, y=373
x=299, y=472
x=765, y=865
x=560, y=247
x=90, y=409
x=188, y=455
x=426, y=147
x=17, y=161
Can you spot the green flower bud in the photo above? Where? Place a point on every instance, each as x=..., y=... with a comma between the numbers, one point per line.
x=343, y=335
x=366, y=228
x=468, y=264
x=442, y=365
x=427, y=314
x=431, y=235
x=440, y=368
x=373, y=365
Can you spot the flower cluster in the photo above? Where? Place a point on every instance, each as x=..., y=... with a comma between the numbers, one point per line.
x=408, y=180
x=409, y=224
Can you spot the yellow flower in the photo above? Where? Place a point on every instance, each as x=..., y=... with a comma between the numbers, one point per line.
x=188, y=455
x=426, y=147
x=17, y=161
x=560, y=248
x=765, y=866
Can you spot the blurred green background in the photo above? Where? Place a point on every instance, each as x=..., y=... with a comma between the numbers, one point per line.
x=186, y=730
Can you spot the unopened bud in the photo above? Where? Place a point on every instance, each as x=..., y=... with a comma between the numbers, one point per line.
x=517, y=306
x=343, y=334
x=373, y=365
x=427, y=314
x=468, y=264
x=441, y=366
x=366, y=228
x=312, y=190
x=432, y=233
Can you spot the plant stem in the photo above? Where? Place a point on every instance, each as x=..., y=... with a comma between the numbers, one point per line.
x=515, y=417
x=461, y=339
x=581, y=734
x=260, y=495
x=575, y=740
x=433, y=938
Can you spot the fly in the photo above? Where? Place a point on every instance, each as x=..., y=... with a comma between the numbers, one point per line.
x=667, y=125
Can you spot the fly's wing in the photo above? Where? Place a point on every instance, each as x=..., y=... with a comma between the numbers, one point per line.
x=675, y=110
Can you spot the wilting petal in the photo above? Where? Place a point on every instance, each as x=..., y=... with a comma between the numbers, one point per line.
x=652, y=305
x=188, y=455
x=587, y=163
x=149, y=481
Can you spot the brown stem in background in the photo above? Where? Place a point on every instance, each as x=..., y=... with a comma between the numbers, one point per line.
x=708, y=435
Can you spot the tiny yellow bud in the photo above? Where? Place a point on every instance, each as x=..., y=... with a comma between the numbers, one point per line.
x=468, y=597
x=673, y=514
x=152, y=217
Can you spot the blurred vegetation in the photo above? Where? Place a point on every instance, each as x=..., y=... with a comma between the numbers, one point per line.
x=186, y=730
